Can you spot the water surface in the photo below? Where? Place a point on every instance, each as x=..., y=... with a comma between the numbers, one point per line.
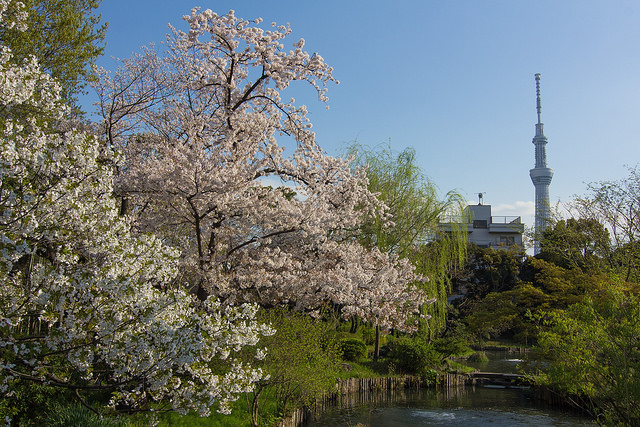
x=469, y=406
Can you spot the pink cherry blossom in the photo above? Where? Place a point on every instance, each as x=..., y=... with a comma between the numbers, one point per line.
x=200, y=125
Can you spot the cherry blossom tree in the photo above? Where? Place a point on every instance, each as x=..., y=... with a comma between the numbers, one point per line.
x=86, y=305
x=201, y=124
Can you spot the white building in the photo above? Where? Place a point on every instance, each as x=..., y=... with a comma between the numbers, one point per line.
x=485, y=230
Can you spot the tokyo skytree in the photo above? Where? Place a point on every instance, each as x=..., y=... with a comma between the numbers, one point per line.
x=541, y=176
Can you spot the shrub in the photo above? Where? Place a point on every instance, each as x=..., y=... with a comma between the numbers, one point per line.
x=353, y=349
x=479, y=356
x=77, y=415
x=429, y=377
x=303, y=363
x=413, y=355
x=451, y=346
x=369, y=335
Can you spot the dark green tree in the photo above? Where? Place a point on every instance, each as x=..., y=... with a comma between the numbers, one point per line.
x=540, y=286
x=65, y=36
x=582, y=243
x=489, y=270
x=626, y=261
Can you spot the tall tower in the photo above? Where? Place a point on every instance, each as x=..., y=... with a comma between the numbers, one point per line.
x=541, y=176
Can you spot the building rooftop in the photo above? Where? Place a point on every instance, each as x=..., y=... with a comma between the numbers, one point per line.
x=485, y=230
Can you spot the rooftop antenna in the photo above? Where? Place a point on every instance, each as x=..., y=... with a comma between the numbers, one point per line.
x=480, y=199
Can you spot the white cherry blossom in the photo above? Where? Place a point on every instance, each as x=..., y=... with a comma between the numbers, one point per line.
x=84, y=302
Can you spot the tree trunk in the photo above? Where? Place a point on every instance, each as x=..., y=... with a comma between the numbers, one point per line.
x=254, y=406
x=376, y=351
x=354, y=325
x=124, y=206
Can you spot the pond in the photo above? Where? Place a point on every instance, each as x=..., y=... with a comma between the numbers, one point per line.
x=462, y=407
x=468, y=406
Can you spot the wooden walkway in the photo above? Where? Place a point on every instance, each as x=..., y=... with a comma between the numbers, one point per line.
x=499, y=379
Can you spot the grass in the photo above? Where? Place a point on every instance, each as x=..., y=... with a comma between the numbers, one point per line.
x=238, y=417
x=459, y=368
x=365, y=369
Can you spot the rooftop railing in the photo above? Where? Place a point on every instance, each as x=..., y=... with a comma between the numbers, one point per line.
x=494, y=220
x=505, y=220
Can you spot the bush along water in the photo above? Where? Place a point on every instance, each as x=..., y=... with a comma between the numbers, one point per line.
x=353, y=349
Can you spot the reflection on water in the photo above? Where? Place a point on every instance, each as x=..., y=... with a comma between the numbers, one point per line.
x=499, y=361
x=462, y=407
x=470, y=406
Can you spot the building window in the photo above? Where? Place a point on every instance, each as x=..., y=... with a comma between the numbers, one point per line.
x=507, y=240
x=480, y=223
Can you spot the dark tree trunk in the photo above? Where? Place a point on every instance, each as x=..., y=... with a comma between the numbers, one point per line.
x=354, y=325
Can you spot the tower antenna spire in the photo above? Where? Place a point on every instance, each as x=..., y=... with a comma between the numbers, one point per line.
x=538, y=103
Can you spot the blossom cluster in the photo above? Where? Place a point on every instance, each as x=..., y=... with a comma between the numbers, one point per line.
x=86, y=303
x=200, y=126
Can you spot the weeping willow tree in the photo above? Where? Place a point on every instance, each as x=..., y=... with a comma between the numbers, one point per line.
x=413, y=233
x=437, y=260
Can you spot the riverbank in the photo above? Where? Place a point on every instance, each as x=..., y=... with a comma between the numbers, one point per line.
x=353, y=391
x=449, y=387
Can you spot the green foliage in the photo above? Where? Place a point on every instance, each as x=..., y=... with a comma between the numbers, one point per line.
x=452, y=346
x=413, y=200
x=626, y=261
x=539, y=286
x=458, y=367
x=368, y=334
x=353, y=349
x=562, y=287
x=479, y=356
x=79, y=416
x=438, y=260
x=490, y=281
x=413, y=356
x=616, y=206
x=429, y=377
x=493, y=316
x=365, y=368
x=488, y=270
x=416, y=209
x=591, y=354
x=65, y=36
x=582, y=243
x=239, y=417
x=303, y=361
x=28, y=403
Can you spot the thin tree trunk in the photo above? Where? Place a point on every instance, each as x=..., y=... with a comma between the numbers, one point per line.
x=254, y=406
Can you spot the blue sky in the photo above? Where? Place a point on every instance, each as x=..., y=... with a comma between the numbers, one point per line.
x=454, y=79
